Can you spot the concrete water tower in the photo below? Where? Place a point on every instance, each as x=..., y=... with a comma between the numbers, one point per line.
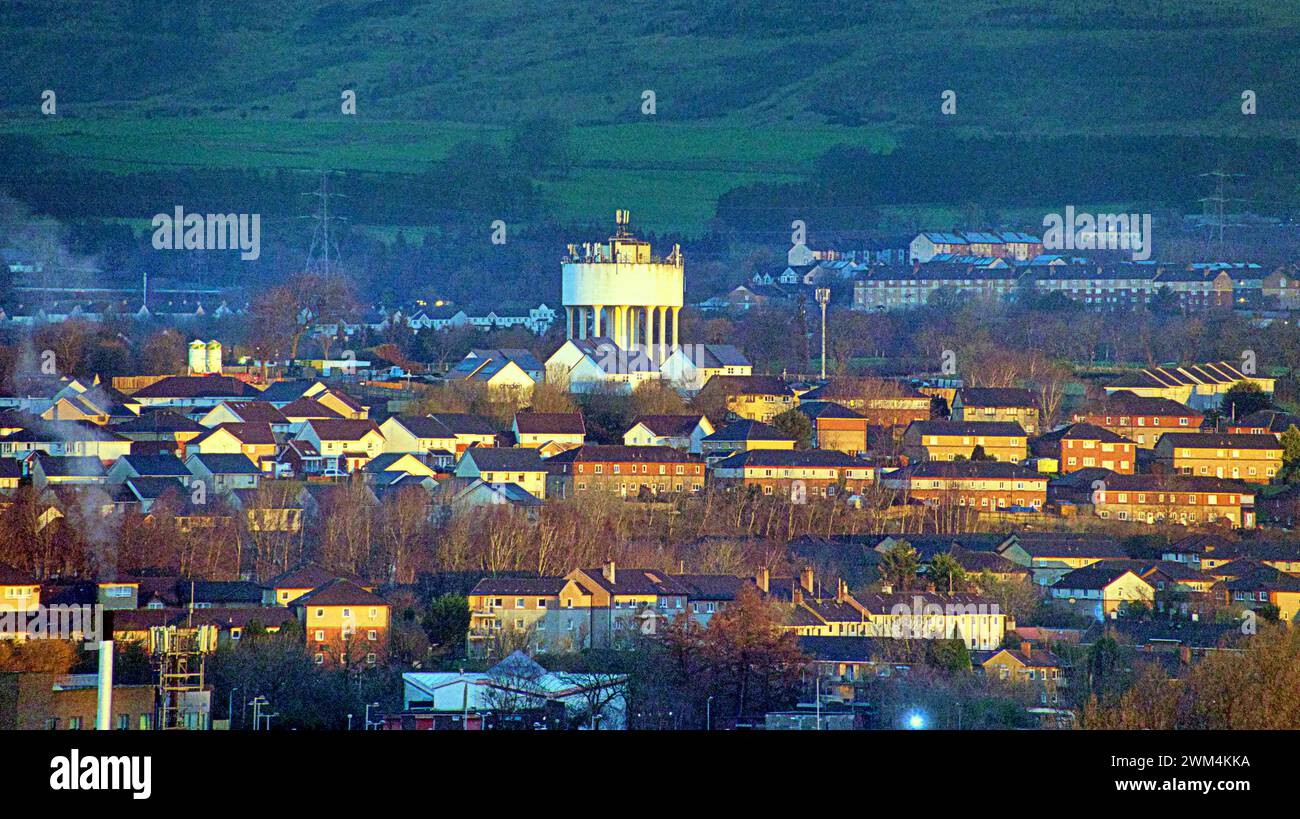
x=616, y=289
x=198, y=357
x=214, y=357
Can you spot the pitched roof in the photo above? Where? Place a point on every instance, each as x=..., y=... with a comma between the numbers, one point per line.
x=1083, y=432
x=971, y=470
x=340, y=592
x=9, y=576
x=307, y=408
x=256, y=411
x=997, y=397
x=545, y=586
x=826, y=409
x=70, y=466
x=668, y=425
x=607, y=453
x=550, y=423
x=988, y=429
x=792, y=458
x=1270, y=420
x=161, y=464
x=1123, y=402
x=748, y=430
x=1097, y=576
x=1069, y=544
x=342, y=429
x=257, y=433
x=197, y=386
x=748, y=385
x=223, y=464
x=506, y=459
x=460, y=423
x=308, y=576
x=1220, y=440
x=158, y=421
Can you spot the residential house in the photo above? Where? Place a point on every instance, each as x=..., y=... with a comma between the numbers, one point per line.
x=881, y=402
x=554, y=613
x=1140, y=419
x=627, y=471
x=1245, y=457
x=161, y=431
x=742, y=436
x=1262, y=422
x=447, y=432
x=1051, y=555
x=685, y=432
x=986, y=486
x=1184, y=499
x=345, y=625
x=353, y=441
x=200, y=391
x=1004, y=441
x=836, y=427
x=247, y=412
x=287, y=587
x=19, y=591
x=500, y=465
x=795, y=474
x=1037, y=667
x=998, y=404
x=549, y=432
x=255, y=440
x=753, y=397
x=1099, y=591
x=221, y=473
x=690, y=366
x=502, y=371
x=583, y=364
x=1083, y=446
x=159, y=465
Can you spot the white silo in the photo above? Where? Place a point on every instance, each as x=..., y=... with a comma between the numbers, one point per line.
x=214, y=357
x=198, y=357
x=618, y=290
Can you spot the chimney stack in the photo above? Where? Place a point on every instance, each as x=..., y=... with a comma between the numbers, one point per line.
x=806, y=579
x=610, y=573
x=763, y=580
x=796, y=595
x=1027, y=649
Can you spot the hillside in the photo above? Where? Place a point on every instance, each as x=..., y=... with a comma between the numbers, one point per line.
x=747, y=90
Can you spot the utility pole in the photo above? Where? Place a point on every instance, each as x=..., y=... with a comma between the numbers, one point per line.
x=823, y=296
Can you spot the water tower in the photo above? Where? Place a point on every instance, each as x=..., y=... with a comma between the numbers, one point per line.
x=214, y=357
x=198, y=357
x=617, y=289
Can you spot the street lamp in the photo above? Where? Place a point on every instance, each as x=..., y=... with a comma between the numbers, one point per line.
x=823, y=296
x=708, y=713
x=916, y=721
x=230, y=706
x=368, y=707
x=257, y=703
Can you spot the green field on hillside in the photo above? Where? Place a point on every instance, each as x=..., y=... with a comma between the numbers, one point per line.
x=746, y=90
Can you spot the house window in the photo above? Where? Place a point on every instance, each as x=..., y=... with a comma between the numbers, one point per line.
x=372, y=635
x=320, y=635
